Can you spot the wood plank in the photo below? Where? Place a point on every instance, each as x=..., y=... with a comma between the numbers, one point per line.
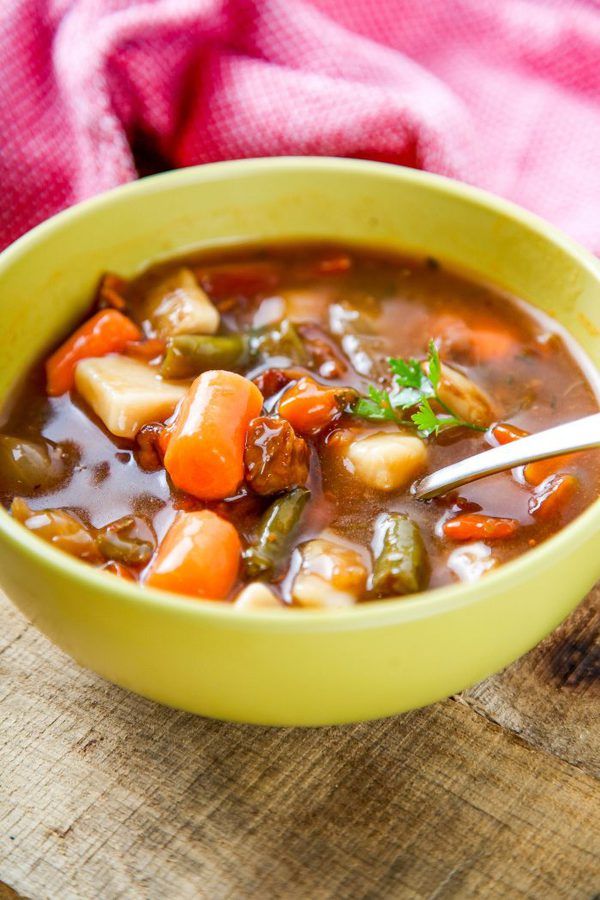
x=551, y=696
x=108, y=795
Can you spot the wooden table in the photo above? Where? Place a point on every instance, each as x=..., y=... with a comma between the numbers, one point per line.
x=492, y=793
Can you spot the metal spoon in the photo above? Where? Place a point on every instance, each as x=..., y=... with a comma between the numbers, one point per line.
x=581, y=434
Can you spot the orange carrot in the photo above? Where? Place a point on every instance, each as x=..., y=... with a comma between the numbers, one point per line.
x=199, y=555
x=504, y=433
x=539, y=471
x=492, y=344
x=109, y=331
x=205, y=453
x=310, y=407
x=535, y=472
x=475, y=527
x=549, y=498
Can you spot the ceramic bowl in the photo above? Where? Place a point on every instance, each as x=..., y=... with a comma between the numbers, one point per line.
x=299, y=667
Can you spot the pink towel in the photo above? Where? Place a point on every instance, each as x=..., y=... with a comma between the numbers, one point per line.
x=504, y=94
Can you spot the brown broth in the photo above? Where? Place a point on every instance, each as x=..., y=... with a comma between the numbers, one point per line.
x=537, y=383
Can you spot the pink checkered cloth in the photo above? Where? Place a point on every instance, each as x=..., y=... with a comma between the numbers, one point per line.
x=503, y=93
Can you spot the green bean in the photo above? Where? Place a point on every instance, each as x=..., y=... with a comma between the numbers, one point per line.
x=275, y=533
x=26, y=466
x=281, y=339
x=402, y=566
x=189, y=355
x=128, y=540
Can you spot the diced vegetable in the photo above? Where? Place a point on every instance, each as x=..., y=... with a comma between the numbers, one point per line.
x=147, y=350
x=476, y=343
x=334, y=264
x=306, y=304
x=387, y=461
x=199, y=556
x=551, y=496
x=58, y=527
x=278, y=340
x=205, y=454
x=177, y=305
x=28, y=466
x=476, y=527
x=275, y=534
x=504, y=433
x=536, y=472
x=223, y=281
x=470, y=562
x=401, y=566
x=257, y=596
x=126, y=394
x=107, y=332
x=189, y=355
x=331, y=576
x=275, y=458
x=111, y=292
x=365, y=349
x=129, y=540
x=310, y=407
x=464, y=397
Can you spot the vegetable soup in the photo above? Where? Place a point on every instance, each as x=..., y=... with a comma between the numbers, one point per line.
x=245, y=426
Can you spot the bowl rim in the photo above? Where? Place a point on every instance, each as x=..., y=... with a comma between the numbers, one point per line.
x=375, y=614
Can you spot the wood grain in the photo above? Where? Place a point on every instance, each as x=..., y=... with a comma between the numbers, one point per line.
x=106, y=795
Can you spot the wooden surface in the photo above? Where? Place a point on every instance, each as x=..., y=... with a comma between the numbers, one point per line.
x=491, y=794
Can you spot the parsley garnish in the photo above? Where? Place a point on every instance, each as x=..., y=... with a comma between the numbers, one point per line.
x=413, y=385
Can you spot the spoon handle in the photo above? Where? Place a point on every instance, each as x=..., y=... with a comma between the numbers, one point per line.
x=581, y=434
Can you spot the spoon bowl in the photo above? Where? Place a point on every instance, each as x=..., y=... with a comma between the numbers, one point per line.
x=580, y=434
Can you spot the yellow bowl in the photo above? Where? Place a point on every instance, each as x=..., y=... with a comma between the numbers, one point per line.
x=292, y=668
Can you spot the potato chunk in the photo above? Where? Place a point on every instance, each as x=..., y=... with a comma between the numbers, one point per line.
x=125, y=393
x=387, y=461
x=179, y=306
x=331, y=576
x=257, y=596
x=464, y=397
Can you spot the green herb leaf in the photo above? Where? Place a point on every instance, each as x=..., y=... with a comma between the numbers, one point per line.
x=413, y=386
x=426, y=420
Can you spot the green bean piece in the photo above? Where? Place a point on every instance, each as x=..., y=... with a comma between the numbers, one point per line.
x=27, y=466
x=402, y=566
x=189, y=355
x=128, y=540
x=275, y=534
x=281, y=339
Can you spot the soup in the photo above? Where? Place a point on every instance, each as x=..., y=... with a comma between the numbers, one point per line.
x=245, y=426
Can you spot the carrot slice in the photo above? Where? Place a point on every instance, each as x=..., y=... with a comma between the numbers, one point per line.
x=310, y=407
x=474, y=527
x=492, y=344
x=199, y=556
x=539, y=471
x=205, y=452
x=109, y=331
x=504, y=433
x=552, y=495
